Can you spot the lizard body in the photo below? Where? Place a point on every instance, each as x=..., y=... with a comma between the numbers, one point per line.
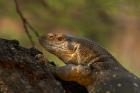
x=90, y=65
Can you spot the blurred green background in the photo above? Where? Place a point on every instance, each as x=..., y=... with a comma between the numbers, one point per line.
x=114, y=24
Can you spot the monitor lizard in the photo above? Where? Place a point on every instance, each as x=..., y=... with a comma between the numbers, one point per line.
x=89, y=64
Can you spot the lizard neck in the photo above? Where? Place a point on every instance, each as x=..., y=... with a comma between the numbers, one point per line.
x=104, y=62
x=101, y=58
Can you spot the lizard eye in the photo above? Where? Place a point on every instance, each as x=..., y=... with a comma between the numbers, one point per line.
x=60, y=38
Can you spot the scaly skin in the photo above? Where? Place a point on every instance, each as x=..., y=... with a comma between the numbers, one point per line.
x=90, y=65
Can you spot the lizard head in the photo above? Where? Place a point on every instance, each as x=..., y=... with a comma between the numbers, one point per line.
x=71, y=49
x=60, y=45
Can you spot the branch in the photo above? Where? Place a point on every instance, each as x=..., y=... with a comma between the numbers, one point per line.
x=21, y=70
x=26, y=24
x=27, y=71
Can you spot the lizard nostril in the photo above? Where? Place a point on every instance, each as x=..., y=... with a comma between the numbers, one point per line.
x=50, y=35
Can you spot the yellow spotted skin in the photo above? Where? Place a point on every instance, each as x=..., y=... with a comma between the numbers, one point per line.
x=88, y=64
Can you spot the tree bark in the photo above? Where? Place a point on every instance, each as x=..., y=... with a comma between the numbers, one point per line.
x=25, y=70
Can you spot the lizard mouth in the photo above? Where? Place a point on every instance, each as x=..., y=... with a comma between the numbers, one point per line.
x=44, y=42
x=53, y=47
